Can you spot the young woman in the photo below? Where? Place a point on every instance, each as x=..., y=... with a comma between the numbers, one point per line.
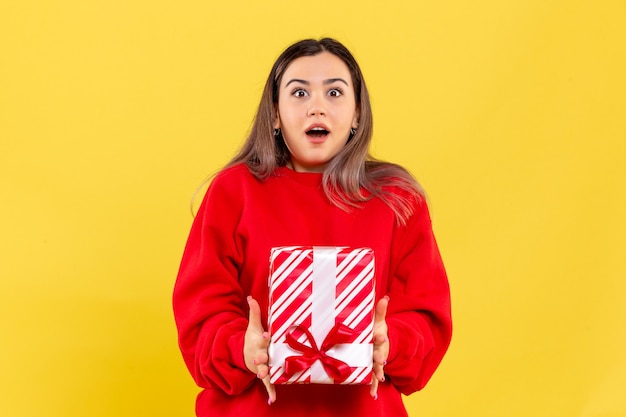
x=305, y=177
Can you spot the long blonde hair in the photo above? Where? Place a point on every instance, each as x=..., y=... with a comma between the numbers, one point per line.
x=353, y=176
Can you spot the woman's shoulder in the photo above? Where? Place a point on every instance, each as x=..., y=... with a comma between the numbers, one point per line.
x=226, y=186
x=236, y=174
x=239, y=169
x=397, y=188
x=393, y=178
x=227, y=182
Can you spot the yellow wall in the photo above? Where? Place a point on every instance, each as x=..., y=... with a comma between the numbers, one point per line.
x=511, y=113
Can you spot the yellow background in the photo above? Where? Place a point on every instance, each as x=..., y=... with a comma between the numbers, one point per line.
x=511, y=114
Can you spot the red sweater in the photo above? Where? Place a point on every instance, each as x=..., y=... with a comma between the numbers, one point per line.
x=227, y=258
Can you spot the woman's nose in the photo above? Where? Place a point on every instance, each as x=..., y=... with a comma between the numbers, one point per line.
x=316, y=106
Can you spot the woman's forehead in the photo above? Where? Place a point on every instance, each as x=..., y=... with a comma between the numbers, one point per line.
x=320, y=68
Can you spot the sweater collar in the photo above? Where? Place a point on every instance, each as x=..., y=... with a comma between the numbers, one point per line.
x=311, y=179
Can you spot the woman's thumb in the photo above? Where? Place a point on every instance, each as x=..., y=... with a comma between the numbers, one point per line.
x=254, y=318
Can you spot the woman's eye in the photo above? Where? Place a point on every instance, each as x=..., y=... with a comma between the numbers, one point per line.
x=299, y=93
x=335, y=92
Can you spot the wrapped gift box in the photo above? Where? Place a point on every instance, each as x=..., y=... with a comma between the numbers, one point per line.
x=321, y=315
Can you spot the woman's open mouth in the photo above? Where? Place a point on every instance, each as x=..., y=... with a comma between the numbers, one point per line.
x=317, y=134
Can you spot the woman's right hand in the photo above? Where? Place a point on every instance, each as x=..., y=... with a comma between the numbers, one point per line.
x=255, y=345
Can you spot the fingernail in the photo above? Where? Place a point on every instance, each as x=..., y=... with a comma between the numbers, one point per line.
x=264, y=335
x=382, y=379
x=384, y=363
x=386, y=340
x=269, y=401
x=375, y=396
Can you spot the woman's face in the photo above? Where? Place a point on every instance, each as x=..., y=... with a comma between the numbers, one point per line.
x=316, y=110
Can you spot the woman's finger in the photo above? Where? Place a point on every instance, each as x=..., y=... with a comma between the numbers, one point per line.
x=374, y=387
x=262, y=370
x=378, y=370
x=381, y=345
x=381, y=311
x=271, y=390
x=254, y=318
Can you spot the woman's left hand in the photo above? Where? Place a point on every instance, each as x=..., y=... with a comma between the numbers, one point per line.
x=381, y=345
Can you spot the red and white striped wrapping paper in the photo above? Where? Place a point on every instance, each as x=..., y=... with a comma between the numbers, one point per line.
x=325, y=294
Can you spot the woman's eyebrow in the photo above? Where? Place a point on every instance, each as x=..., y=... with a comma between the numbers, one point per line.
x=297, y=80
x=325, y=82
x=334, y=80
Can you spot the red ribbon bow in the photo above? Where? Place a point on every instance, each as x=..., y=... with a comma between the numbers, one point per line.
x=336, y=369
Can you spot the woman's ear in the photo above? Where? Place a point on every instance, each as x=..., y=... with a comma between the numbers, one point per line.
x=276, y=122
x=355, y=119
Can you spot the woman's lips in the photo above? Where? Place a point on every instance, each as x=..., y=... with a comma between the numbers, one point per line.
x=317, y=134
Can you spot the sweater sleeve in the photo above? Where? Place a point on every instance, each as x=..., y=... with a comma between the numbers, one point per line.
x=419, y=315
x=208, y=300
